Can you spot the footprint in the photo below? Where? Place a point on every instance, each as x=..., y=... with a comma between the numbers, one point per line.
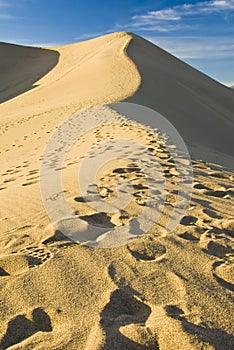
x=223, y=272
x=21, y=327
x=174, y=311
x=39, y=253
x=219, y=175
x=15, y=264
x=206, y=336
x=100, y=219
x=219, y=194
x=142, y=337
x=212, y=214
x=3, y=272
x=9, y=180
x=59, y=240
x=199, y=186
x=188, y=220
x=218, y=249
x=189, y=237
x=23, y=260
x=29, y=183
x=33, y=171
x=124, y=312
x=147, y=250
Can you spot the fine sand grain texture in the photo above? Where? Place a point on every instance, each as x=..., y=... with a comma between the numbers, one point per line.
x=155, y=292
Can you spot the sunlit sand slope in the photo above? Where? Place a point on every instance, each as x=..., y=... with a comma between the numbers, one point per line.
x=157, y=292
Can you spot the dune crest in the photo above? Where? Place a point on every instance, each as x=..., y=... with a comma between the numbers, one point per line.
x=156, y=292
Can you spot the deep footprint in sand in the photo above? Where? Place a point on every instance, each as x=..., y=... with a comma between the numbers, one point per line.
x=123, y=320
x=223, y=272
x=189, y=237
x=219, y=249
x=147, y=250
x=21, y=327
x=214, y=338
x=22, y=261
x=14, y=264
x=39, y=253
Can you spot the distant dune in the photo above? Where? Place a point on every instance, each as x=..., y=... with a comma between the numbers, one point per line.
x=167, y=292
x=21, y=67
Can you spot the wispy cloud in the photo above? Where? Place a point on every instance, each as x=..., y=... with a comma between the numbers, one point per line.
x=5, y=7
x=173, y=18
x=196, y=47
x=5, y=16
x=4, y=3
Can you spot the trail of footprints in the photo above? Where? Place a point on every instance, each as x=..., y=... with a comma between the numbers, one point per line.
x=16, y=173
x=124, y=319
x=212, y=230
x=134, y=174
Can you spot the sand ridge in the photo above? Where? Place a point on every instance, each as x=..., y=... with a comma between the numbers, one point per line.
x=156, y=292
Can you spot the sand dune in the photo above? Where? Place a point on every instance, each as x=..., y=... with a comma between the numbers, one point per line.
x=155, y=292
x=198, y=106
x=21, y=67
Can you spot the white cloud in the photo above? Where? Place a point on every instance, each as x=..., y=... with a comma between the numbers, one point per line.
x=169, y=17
x=223, y=4
x=169, y=14
x=191, y=47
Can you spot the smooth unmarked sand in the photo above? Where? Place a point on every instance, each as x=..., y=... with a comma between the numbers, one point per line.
x=157, y=292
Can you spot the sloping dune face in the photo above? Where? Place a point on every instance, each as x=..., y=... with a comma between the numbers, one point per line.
x=89, y=72
x=21, y=67
x=200, y=108
x=156, y=292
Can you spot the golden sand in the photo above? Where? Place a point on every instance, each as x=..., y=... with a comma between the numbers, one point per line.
x=156, y=292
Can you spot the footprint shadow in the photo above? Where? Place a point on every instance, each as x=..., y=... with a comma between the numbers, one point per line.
x=216, y=337
x=217, y=250
x=147, y=250
x=221, y=280
x=3, y=272
x=59, y=240
x=123, y=309
x=21, y=328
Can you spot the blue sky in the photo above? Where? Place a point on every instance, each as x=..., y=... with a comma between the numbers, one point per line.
x=199, y=32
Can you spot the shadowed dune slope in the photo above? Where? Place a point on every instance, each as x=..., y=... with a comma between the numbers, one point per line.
x=21, y=67
x=199, y=107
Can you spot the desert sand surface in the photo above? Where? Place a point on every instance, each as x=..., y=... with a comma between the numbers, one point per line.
x=158, y=291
